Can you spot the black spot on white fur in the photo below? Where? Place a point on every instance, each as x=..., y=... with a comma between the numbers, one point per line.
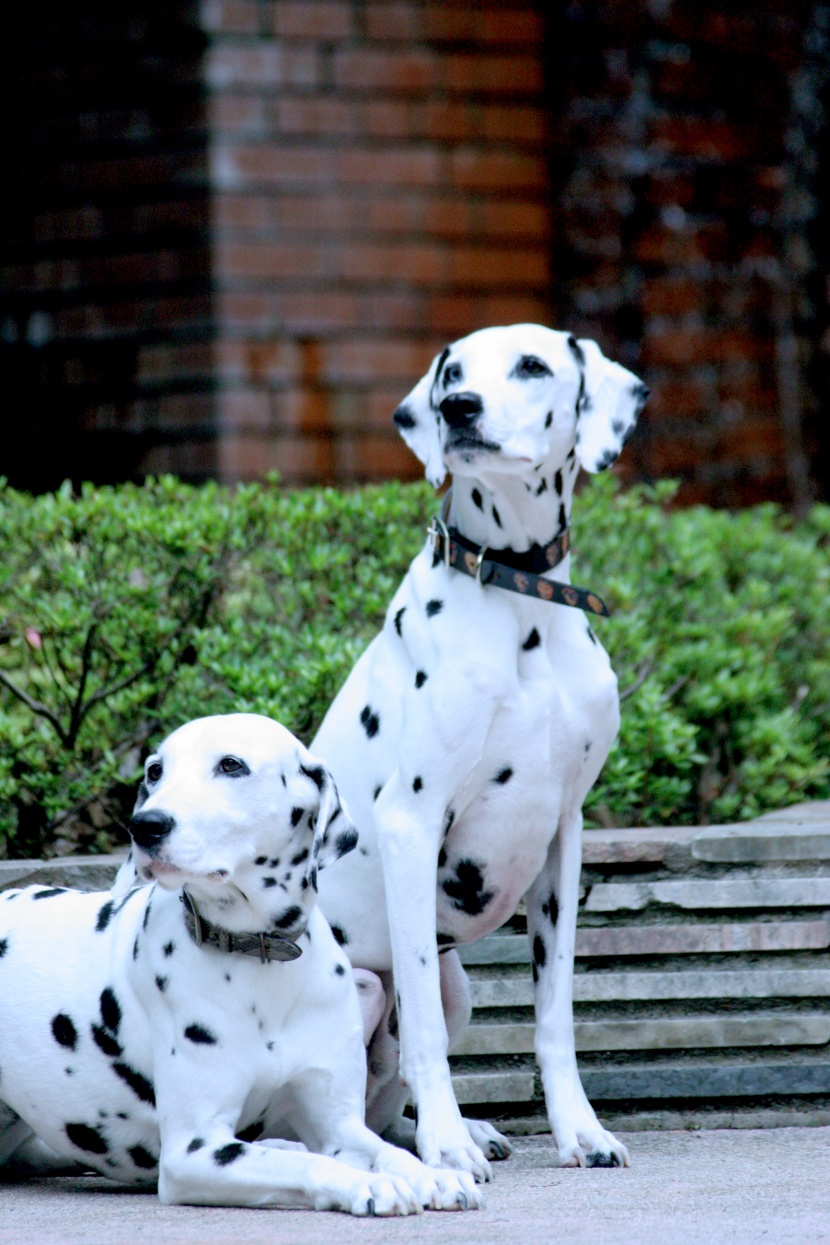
x=50, y=893
x=404, y=418
x=339, y=935
x=64, y=1031
x=557, y=482
x=90, y=1140
x=370, y=721
x=434, y=607
x=228, y=1154
x=466, y=888
x=143, y=1158
x=504, y=775
x=417, y=783
x=420, y=678
x=399, y=618
x=200, y=1035
x=477, y=500
x=532, y=641
x=4, y=946
x=138, y=1083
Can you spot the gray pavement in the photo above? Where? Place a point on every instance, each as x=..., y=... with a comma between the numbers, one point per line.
x=737, y=1186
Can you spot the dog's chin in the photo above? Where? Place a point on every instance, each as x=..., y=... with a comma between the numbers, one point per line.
x=465, y=454
x=171, y=878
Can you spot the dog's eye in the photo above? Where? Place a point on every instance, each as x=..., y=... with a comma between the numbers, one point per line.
x=233, y=766
x=154, y=771
x=529, y=366
x=452, y=374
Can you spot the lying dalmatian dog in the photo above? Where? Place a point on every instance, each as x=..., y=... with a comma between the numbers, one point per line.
x=469, y=733
x=177, y=1032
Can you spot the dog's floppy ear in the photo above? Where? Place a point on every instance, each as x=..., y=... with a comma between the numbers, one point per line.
x=610, y=400
x=334, y=832
x=126, y=877
x=417, y=420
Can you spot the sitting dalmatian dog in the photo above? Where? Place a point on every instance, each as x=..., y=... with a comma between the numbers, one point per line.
x=469, y=733
x=204, y=1031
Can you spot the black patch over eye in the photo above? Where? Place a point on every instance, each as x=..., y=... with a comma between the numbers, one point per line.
x=453, y=373
x=232, y=767
x=154, y=771
x=530, y=366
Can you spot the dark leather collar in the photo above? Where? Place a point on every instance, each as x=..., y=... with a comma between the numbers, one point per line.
x=515, y=572
x=266, y=947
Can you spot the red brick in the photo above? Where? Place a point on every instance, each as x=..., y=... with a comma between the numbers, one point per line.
x=264, y=65
x=418, y=263
x=314, y=116
x=373, y=362
x=269, y=261
x=237, y=114
x=298, y=460
x=478, y=266
x=243, y=410
x=313, y=19
x=269, y=363
x=482, y=24
x=517, y=123
x=393, y=21
x=472, y=169
x=514, y=75
x=264, y=165
x=367, y=69
x=229, y=16
x=369, y=458
x=419, y=166
x=514, y=219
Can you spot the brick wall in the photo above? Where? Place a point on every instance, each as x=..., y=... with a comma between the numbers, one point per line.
x=241, y=228
x=676, y=155
x=105, y=244
x=380, y=185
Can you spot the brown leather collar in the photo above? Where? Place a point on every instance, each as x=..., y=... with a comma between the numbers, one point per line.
x=515, y=572
x=266, y=947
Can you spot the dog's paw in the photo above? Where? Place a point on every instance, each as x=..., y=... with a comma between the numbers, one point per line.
x=386, y=1195
x=488, y=1139
x=436, y=1189
x=593, y=1146
x=453, y=1147
x=454, y=1191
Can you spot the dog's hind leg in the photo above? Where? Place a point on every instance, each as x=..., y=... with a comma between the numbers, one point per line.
x=552, y=904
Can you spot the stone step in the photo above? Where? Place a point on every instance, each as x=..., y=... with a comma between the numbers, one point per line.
x=630, y=1084
x=663, y=940
x=759, y=983
x=755, y=843
x=706, y=1081
x=730, y=893
x=493, y=1087
x=657, y=1033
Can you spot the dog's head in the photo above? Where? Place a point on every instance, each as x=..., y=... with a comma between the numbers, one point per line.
x=235, y=801
x=506, y=398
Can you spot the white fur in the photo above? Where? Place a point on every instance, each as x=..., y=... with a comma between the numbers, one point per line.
x=464, y=684
x=128, y=1049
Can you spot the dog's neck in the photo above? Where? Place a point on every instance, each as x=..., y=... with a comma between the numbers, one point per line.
x=239, y=911
x=514, y=511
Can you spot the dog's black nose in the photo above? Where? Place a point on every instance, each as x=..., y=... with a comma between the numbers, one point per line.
x=460, y=409
x=148, y=829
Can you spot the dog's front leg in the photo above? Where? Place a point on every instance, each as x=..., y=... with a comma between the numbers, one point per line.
x=409, y=837
x=552, y=904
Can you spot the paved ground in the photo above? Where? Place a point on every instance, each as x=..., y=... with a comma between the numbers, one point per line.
x=731, y=1186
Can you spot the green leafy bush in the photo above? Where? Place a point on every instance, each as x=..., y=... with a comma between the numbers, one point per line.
x=126, y=611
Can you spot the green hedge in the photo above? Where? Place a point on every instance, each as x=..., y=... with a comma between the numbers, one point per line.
x=125, y=611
